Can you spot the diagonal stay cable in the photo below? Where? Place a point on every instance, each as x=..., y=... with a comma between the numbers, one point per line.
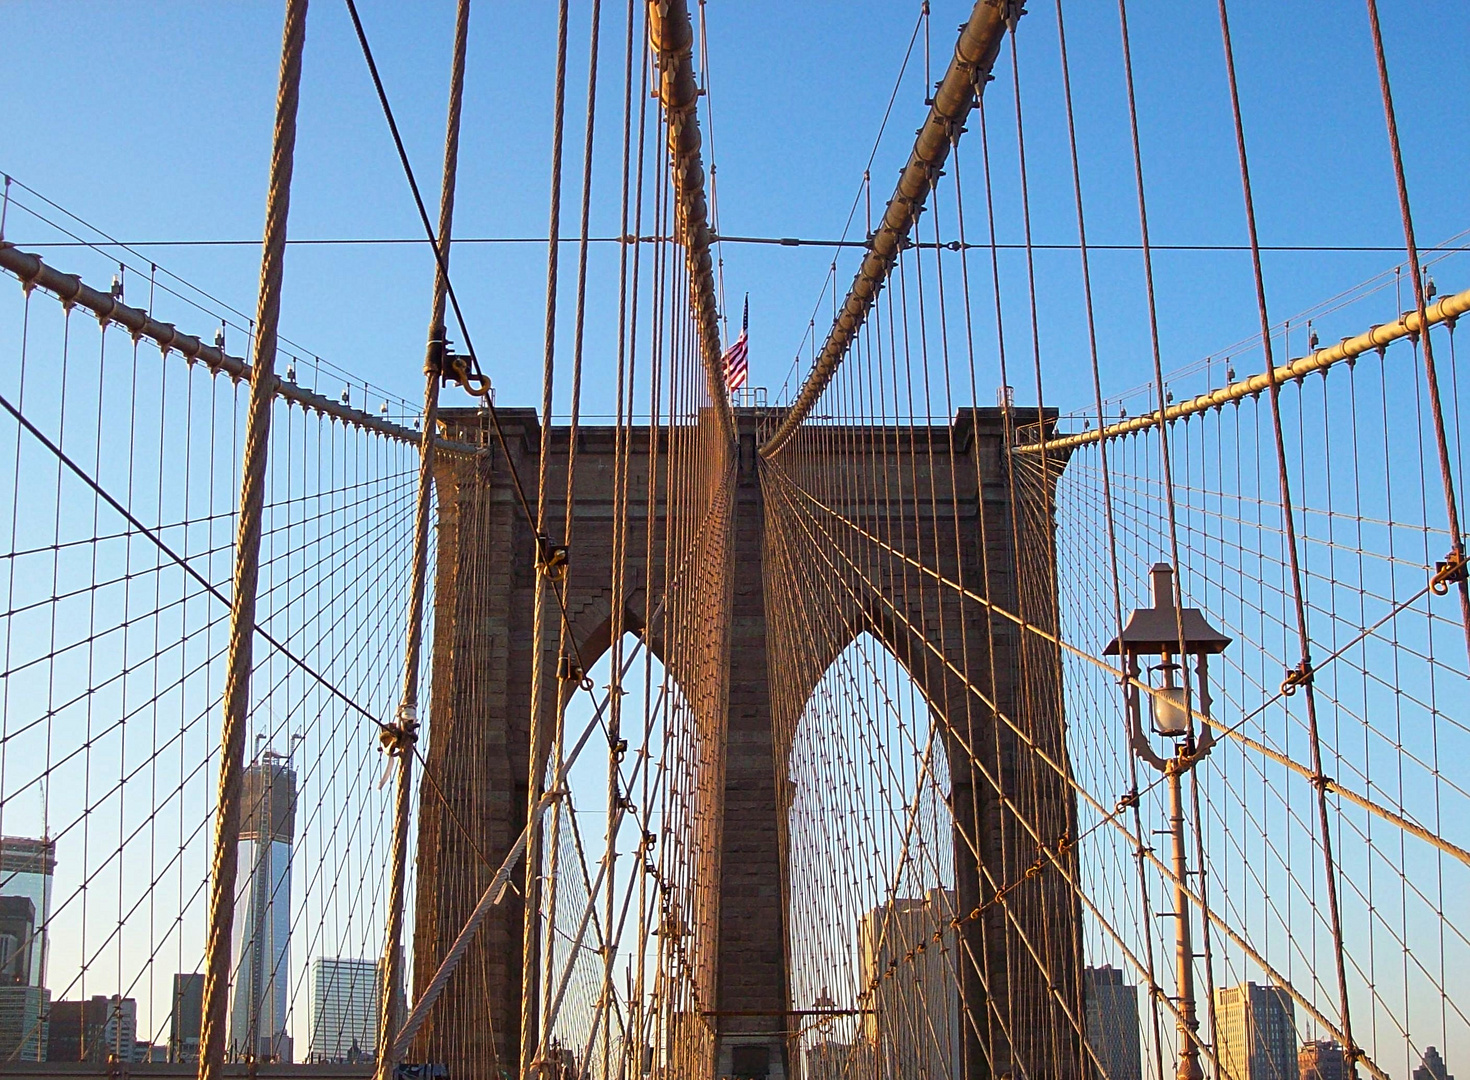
x=464, y=327
x=864, y=186
x=183, y=564
x=1233, y=730
x=501, y=880
x=434, y=245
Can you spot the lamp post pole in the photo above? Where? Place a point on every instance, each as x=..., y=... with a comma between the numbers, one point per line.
x=1189, y=1066
x=1167, y=630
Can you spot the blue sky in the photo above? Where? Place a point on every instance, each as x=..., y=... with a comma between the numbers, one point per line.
x=153, y=122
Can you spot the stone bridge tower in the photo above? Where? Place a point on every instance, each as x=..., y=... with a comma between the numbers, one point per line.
x=479, y=744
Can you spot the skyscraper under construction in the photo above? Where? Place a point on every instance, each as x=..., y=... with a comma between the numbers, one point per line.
x=262, y=937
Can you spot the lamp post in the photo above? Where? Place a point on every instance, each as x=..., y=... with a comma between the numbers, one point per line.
x=1172, y=633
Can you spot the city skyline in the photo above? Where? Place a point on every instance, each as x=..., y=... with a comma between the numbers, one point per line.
x=1321, y=1059
x=27, y=1007
x=1432, y=1066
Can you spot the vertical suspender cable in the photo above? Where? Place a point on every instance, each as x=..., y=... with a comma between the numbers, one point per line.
x=405, y=729
x=566, y=641
x=1188, y=1066
x=963, y=83
x=536, y=777
x=1351, y=1051
x=622, y=447
x=1110, y=520
x=247, y=552
x=1436, y=408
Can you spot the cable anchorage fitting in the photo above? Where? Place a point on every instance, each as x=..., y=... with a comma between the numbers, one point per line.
x=434, y=357
x=398, y=738
x=463, y=369
x=551, y=559
x=1451, y=570
x=1301, y=675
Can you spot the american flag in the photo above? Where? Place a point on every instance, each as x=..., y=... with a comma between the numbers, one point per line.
x=736, y=368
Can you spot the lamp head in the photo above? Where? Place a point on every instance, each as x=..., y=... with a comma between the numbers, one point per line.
x=1173, y=633
x=1169, y=703
x=1156, y=630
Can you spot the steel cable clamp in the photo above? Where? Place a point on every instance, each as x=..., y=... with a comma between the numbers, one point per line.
x=1301, y=675
x=1451, y=570
x=460, y=368
x=567, y=669
x=398, y=738
x=551, y=558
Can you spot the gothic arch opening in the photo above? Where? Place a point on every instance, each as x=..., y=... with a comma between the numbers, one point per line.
x=870, y=876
